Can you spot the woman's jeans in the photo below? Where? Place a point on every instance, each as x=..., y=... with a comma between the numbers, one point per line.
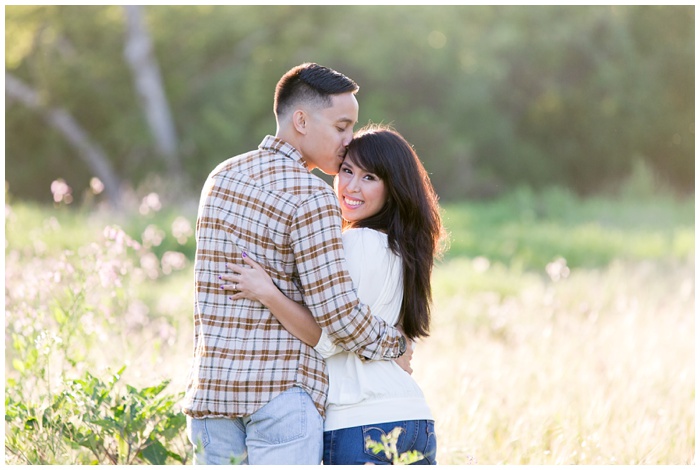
x=347, y=446
x=287, y=430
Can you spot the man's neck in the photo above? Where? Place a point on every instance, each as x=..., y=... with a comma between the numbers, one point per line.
x=287, y=137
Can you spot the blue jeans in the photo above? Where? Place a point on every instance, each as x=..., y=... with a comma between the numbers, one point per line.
x=347, y=446
x=287, y=430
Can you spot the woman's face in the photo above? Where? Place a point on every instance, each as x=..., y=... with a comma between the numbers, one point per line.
x=361, y=194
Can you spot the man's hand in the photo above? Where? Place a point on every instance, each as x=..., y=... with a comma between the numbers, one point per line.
x=405, y=360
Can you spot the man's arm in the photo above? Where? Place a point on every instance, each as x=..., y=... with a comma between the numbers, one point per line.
x=255, y=284
x=327, y=287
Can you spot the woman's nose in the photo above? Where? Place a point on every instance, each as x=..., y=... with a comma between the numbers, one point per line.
x=353, y=185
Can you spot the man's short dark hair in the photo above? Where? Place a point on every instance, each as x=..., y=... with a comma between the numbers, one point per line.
x=310, y=83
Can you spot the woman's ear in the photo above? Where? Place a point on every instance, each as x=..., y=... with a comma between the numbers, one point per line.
x=299, y=119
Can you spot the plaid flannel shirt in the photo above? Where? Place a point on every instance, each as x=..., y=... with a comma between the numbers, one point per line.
x=266, y=203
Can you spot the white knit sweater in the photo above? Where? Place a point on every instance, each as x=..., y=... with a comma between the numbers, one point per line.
x=362, y=393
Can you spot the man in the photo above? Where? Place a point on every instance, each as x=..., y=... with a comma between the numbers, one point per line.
x=256, y=392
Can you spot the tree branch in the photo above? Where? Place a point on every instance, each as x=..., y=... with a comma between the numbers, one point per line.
x=138, y=51
x=58, y=118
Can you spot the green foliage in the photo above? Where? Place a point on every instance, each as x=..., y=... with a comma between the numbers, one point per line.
x=527, y=230
x=72, y=306
x=388, y=445
x=132, y=426
x=492, y=97
x=46, y=230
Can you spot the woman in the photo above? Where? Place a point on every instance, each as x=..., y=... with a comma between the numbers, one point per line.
x=392, y=232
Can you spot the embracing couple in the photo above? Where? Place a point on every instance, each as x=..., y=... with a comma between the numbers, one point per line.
x=307, y=301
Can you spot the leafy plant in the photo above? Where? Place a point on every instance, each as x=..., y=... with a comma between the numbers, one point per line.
x=62, y=305
x=129, y=426
x=388, y=445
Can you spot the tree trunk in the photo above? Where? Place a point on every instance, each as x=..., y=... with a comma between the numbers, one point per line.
x=58, y=118
x=138, y=52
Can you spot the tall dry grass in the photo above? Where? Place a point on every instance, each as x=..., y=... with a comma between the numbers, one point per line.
x=586, y=363
x=571, y=367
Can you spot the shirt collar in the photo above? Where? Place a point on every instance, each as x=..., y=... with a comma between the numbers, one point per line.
x=271, y=142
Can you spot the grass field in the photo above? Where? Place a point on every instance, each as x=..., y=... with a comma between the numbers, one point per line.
x=563, y=329
x=564, y=333
x=595, y=368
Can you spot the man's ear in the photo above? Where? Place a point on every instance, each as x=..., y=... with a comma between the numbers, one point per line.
x=299, y=120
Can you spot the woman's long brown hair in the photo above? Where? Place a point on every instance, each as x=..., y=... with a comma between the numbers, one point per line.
x=410, y=217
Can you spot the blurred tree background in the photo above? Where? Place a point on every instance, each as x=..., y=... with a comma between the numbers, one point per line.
x=492, y=97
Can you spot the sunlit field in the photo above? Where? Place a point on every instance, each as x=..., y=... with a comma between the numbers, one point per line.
x=594, y=368
x=563, y=333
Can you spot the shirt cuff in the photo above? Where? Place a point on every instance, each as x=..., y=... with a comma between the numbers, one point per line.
x=326, y=347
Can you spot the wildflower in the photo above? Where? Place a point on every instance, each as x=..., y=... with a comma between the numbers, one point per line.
x=46, y=340
x=166, y=332
x=136, y=315
x=96, y=185
x=149, y=263
x=558, y=270
x=152, y=236
x=61, y=191
x=121, y=239
x=172, y=260
x=108, y=272
x=481, y=264
x=150, y=203
x=182, y=230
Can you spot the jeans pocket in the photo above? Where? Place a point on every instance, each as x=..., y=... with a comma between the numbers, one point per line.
x=430, y=450
x=375, y=433
x=284, y=418
x=197, y=432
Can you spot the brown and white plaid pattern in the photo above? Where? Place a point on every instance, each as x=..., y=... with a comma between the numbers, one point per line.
x=266, y=203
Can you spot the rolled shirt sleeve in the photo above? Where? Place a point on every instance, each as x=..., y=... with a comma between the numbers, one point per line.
x=328, y=290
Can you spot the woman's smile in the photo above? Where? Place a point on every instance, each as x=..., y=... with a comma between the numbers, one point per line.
x=368, y=191
x=352, y=202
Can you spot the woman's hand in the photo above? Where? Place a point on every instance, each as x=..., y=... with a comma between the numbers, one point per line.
x=249, y=281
